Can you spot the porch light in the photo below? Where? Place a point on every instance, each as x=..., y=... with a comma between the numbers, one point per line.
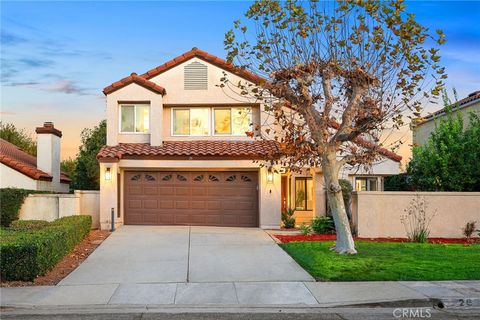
x=108, y=174
x=269, y=176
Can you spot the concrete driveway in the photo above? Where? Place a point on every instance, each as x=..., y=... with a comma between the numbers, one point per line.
x=172, y=254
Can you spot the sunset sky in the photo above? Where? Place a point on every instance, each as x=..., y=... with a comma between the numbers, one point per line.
x=58, y=56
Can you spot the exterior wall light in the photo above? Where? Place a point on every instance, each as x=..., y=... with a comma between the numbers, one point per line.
x=108, y=174
x=270, y=176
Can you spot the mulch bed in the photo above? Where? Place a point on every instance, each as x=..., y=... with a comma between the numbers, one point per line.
x=69, y=263
x=332, y=237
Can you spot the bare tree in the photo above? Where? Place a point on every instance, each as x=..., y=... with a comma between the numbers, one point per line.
x=334, y=76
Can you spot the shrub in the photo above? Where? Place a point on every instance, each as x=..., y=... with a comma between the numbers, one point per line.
x=469, y=229
x=305, y=229
x=29, y=253
x=288, y=219
x=11, y=200
x=398, y=182
x=416, y=220
x=26, y=225
x=323, y=225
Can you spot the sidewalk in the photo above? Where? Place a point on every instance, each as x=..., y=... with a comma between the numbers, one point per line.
x=238, y=294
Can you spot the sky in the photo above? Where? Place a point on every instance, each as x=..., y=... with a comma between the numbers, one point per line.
x=56, y=57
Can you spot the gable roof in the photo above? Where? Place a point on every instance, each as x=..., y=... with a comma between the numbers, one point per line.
x=221, y=63
x=19, y=160
x=210, y=58
x=134, y=78
x=462, y=103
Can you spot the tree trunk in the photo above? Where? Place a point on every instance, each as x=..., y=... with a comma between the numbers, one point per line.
x=331, y=169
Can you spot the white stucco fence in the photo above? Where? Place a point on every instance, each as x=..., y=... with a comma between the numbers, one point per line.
x=53, y=206
x=377, y=214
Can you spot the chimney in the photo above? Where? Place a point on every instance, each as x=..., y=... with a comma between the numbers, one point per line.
x=48, y=151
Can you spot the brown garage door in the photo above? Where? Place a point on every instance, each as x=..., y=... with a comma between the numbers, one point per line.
x=207, y=198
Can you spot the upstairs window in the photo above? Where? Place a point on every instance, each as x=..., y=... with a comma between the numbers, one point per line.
x=232, y=121
x=135, y=118
x=191, y=122
x=225, y=121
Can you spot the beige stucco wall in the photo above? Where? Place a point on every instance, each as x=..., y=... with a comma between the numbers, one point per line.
x=377, y=214
x=53, y=206
x=421, y=132
x=10, y=178
x=269, y=194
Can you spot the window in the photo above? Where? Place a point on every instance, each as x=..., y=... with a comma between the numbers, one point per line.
x=366, y=184
x=303, y=194
x=194, y=121
x=232, y=121
x=135, y=118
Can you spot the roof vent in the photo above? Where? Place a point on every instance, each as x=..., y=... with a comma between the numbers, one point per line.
x=195, y=76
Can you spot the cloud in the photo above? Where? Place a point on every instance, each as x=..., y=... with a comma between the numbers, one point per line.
x=9, y=39
x=61, y=86
x=35, y=62
x=7, y=113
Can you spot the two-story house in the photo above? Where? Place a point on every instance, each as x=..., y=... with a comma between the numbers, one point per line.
x=423, y=128
x=177, y=152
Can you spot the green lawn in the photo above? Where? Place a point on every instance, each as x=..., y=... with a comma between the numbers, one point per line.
x=388, y=261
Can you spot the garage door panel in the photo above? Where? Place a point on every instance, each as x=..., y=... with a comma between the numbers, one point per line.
x=184, y=204
x=167, y=204
x=215, y=198
x=166, y=191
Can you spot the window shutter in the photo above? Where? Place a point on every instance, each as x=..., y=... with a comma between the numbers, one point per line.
x=195, y=75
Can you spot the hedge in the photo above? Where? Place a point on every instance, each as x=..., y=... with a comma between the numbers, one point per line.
x=11, y=200
x=28, y=253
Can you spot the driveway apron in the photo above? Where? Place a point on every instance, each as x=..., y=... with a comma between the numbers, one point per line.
x=172, y=254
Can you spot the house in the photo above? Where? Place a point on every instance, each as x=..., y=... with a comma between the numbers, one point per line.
x=177, y=152
x=21, y=170
x=423, y=128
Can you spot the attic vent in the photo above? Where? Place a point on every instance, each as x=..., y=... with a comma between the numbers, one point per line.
x=196, y=76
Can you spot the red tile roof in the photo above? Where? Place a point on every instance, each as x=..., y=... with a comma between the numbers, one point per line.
x=197, y=148
x=458, y=105
x=13, y=157
x=134, y=78
x=195, y=52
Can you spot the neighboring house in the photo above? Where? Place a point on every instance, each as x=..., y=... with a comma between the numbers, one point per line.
x=423, y=128
x=177, y=152
x=21, y=170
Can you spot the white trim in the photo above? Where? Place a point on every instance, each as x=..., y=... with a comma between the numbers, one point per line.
x=120, y=105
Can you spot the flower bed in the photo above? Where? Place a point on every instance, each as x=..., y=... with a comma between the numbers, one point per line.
x=332, y=237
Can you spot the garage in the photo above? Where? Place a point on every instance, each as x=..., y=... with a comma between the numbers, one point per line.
x=200, y=198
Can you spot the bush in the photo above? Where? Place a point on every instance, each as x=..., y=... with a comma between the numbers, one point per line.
x=469, y=229
x=28, y=253
x=26, y=225
x=11, y=200
x=398, y=182
x=322, y=225
x=416, y=220
x=305, y=229
x=288, y=219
